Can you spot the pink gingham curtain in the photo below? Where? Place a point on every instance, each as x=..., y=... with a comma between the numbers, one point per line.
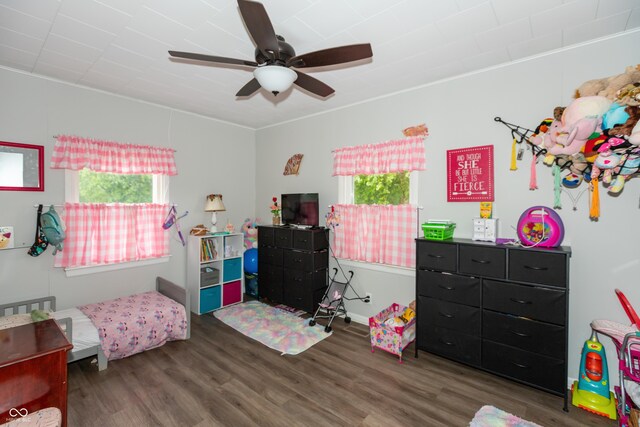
x=401, y=155
x=75, y=153
x=376, y=233
x=99, y=234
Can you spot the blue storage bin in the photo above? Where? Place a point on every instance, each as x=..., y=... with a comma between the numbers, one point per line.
x=232, y=269
x=210, y=299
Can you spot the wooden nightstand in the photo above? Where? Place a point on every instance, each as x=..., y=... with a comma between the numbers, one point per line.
x=33, y=369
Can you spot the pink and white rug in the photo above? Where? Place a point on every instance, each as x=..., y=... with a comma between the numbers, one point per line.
x=275, y=328
x=490, y=416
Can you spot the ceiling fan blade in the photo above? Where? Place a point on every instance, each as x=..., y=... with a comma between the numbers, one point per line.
x=259, y=25
x=313, y=85
x=210, y=58
x=249, y=88
x=332, y=56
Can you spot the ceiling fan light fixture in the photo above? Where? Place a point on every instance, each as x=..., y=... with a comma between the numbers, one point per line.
x=275, y=78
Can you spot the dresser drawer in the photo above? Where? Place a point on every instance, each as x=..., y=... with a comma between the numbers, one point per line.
x=270, y=255
x=449, y=315
x=536, y=303
x=526, y=334
x=532, y=368
x=538, y=267
x=454, y=345
x=310, y=240
x=450, y=287
x=305, y=261
x=436, y=256
x=483, y=261
x=305, y=280
x=282, y=237
x=270, y=285
x=266, y=236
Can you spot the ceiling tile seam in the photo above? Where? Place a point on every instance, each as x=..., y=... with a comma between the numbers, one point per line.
x=64, y=55
x=210, y=5
x=26, y=14
x=495, y=15
x=148, y=37
x=168, y=18
x=483, y=70
x=227, y=32
x=86, y=24
x=35, y=63
x=73, y=41
x=22, y=34
x=66, y=70
x=15, y=48
x=118, y=64
x=113, y=8
x=628, y=18
x=132, y=52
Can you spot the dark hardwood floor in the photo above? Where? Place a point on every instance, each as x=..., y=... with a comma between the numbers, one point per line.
x=222, y=378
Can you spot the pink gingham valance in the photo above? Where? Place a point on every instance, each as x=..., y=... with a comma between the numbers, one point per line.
x=401, y=155
x=75, y=153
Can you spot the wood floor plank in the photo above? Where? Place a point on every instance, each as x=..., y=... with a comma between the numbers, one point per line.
x=222, y=378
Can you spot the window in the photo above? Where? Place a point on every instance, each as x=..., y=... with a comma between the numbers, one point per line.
x=86, y=186
x=396, y=188
x=377, y=201
x=116, y=201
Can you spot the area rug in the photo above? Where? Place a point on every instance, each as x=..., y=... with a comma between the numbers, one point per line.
x=277, y=329
x=291, y=310
x=490, y=416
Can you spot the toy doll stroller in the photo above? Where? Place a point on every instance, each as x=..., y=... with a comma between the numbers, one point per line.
x=332, y=303
x=627, y=341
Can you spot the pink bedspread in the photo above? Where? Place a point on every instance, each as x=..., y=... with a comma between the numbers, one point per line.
x=136, y=323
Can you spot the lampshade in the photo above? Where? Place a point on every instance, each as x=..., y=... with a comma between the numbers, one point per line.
x=214, y=203
x=275, y=78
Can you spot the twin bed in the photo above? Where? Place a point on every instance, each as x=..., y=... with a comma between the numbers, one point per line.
x=120, y=327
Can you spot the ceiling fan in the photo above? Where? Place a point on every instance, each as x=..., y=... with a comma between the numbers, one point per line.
x=275, y=59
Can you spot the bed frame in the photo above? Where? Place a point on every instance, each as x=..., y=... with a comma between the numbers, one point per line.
x=163, y=286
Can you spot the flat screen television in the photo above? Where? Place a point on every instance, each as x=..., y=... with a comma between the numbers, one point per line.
x=300, y=209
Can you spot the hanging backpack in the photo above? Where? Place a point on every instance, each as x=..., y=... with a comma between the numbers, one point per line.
x=40, y=243
x=53, y=228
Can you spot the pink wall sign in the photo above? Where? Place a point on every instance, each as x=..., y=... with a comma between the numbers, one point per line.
x=470, y=174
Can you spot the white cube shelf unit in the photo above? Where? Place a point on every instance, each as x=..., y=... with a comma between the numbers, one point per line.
x=215, y=271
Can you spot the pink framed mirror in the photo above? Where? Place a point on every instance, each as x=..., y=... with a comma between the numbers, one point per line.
x=21, y=167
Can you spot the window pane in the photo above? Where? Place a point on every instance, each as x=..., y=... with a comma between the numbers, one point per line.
x=97, y=187
x=383, y=189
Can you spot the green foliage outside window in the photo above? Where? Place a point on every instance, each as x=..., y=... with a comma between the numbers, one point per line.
x=383, y=189
x=97, y=187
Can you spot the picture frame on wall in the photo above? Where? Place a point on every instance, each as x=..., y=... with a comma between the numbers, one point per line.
x=21, y=167
x=470, y=174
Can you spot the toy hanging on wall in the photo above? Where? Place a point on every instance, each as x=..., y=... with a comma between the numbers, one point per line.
x=596, y=138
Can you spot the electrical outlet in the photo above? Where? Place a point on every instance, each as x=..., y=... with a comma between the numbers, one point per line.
x=367, y=298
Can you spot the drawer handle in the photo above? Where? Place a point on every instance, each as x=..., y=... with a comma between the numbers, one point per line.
x=449, y=343
x=520, y=365
x=520, y=334
x=519, y=301
x=297, y=279
x=529, y=267
x=448, y=316
x=297, y=260
x=303, y=240
x=435, y=256
x=480, y=261
x=447, y=288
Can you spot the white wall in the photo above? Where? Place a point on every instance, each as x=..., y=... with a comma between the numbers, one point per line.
x=459, y=113
x=212, y=157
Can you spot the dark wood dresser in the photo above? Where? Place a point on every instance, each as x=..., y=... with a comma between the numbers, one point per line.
x=33, y=369
x=292, y=265
x=499, y=308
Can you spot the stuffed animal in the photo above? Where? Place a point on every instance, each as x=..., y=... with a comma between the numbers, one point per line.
x=250, y=231
x=625, y=127
x=609, y=86
x=629, y=95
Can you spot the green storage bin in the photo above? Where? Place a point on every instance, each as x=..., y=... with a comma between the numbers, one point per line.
x=438, y=230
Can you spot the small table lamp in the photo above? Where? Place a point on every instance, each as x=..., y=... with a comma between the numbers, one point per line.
x=214, y=204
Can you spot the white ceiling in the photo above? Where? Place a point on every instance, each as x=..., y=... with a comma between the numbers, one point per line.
x=120, y=46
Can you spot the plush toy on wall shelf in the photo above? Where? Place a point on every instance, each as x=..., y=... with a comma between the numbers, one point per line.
x=595, y=138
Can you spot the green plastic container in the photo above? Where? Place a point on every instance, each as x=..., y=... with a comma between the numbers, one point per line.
x=438, y=231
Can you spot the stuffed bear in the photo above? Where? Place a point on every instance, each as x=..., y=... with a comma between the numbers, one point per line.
x=250, y=233
x=609, y=86
x=626, y=128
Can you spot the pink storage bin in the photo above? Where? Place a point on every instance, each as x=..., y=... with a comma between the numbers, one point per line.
x=392, y=339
